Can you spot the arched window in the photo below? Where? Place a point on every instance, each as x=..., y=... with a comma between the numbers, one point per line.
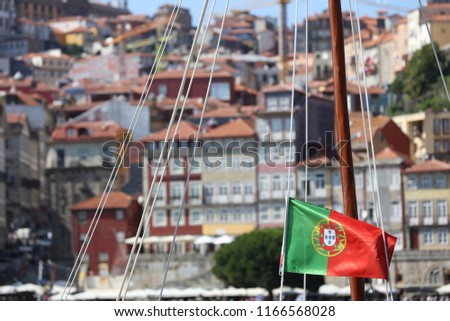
x=435, y=276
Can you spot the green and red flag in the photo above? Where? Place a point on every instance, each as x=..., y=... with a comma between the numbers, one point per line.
x=324, y=242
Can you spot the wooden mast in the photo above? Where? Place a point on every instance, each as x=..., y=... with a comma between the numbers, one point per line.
x=343, y=128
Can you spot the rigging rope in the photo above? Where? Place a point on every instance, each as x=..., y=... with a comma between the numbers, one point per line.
x=374, y=174
x=111, y=180
x=145, y=219
x=290, y=163
x=197, y=138
x=422, y=10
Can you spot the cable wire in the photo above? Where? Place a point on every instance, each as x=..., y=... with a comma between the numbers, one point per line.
x=290, y=163
x=119, y=161
x=197, y=137
x=145, y=218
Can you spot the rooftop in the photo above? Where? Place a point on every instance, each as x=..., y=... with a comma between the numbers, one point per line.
x=432, y=165
x=236, y=128
x=116, y=200
x=186, y=131
x=85, y=131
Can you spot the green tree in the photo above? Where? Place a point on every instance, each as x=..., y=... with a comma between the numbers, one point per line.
x=422, y=71
x=252, y=260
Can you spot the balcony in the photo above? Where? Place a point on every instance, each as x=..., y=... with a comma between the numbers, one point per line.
x=443, y=220
x=237, y=199
x=428, y=221
x=413, y=221
x=249, y=198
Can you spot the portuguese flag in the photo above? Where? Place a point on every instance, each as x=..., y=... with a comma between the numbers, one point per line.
x=324, y=242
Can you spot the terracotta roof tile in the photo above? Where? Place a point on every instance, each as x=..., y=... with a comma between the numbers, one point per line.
x=88, y=130
x=432, y=165
x=236, y=128
x=116, y=200
x=186, y=131
x=390, y=154
x=16, y=118
x=220, y=113
x=280, y=88
x=357, y=126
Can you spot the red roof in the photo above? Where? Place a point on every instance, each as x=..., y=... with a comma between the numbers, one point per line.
x=186, y=131
x=16, y=118
x=116, y=200
x=390, y=154
x=432, y=165
x=88, y=130
x=280, y=88
x=236, y=128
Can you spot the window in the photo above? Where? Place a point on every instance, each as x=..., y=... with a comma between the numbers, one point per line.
x=237, y=217
x=221, y=90
x=395, y=211
x=160, y=219
x=320, y=181
x=412, y=182
x=210, y=216
x=371, y=211
x=272, y=103
x=426, y=181
x=428, y=237
x=395, y=178
x=175, y=192
x=194, y=191
x=223, y=189
x=437, y=126
x=195, y=217
x=162, y=90
x=277, y=214
x=60, y=157
x=442, y=209
x=427, y=209
x=82, y=218
x=277, y=125
x=445, y=126
x=443, y=236
x=208, y=190
x=236, y=189
x=336, y=179
x=248, y=189
x=263, y=183
x=285, y=102
x=224, y=215
x=276, y=183
x=441, y=181
x=359, y=179
x=71, y=132
x=437, y=145
x=413, y=209
x=120, y=237
x=176, y=167
x=264, y=215
x=103, y=257
x=174, y=217
x=445, y=145
x=120, y=215
x=249, y=217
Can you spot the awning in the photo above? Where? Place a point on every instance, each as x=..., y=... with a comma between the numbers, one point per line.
x=204, y=239
x=224, y=239
x=161, y=239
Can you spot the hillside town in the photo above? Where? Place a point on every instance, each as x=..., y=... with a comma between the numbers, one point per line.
x=71, y=78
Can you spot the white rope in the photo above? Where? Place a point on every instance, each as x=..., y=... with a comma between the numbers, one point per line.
x=83, y=250
x=306, y=123
x=197, y=139
x=145, y=219
x=294, y=62
x=379, y=214
x=434, y=50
